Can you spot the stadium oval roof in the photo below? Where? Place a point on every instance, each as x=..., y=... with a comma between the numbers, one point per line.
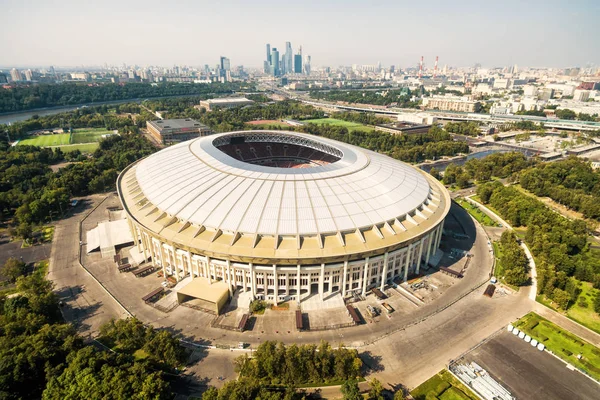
x=198, y=182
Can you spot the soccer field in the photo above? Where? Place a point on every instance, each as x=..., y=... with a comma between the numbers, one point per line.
x=84, y=148
x=352, y=126
x=89, y=135
x=58, y=139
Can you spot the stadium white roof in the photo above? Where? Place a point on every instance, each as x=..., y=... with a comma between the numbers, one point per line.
x=199, y=184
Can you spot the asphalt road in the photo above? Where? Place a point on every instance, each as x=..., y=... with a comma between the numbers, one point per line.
x=529, y=373
x=86, y=304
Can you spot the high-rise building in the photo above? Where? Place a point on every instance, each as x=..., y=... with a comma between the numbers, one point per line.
x=307, y=65
x=269, y=53
x=288, y=65
x=225, y=64
x=28, y=75
x=298, y=63
x=3, y=78
x=224, y=69
x=15, y=75
x=275, y=70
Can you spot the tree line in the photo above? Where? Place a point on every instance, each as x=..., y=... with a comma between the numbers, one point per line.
x=43, y=357
x=31, y=193
x=30, y=97
x=571, y=182
x=384, y=97
x=563, y=256
x=500, y=165
x=512, y=265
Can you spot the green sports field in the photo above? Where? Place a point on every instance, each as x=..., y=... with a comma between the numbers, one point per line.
x=83, y=147
x=83, y=139
x=88, y=135
x=352, y=126
x=58, y=139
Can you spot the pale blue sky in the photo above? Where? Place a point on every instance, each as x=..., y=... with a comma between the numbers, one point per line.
x=334, y=32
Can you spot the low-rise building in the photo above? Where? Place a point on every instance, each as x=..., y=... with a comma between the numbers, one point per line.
x=177, y=130
x=451, y=103
x=226, y=102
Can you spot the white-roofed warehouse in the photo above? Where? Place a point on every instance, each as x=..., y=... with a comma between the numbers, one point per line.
x=283, y=214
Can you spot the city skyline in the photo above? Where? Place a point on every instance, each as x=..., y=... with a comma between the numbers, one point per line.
x=390, y=33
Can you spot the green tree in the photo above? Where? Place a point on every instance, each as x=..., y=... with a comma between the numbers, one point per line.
x=561, y=298
x=375, y=390
x=350, y=390
x=13, y=269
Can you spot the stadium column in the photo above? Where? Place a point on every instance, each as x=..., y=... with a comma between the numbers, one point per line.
x=252, y=280
x=408, y=254
x=189, y=254
x=420, y=255
x=173, y=259
x=429, y=240
x=298, y=283
x=275, y=283
x=385, y=270
x=322, y=281
x=163, y=262
x=207, y=270
x=365, y=277
x=229, y=278
x=143, y=240
x=439, y=238
x=344, y=278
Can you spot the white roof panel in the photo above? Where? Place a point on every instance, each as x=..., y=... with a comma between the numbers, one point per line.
x=199, y=183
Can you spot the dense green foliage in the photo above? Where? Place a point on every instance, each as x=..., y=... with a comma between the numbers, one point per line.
x=571, y=182
x=250, y=389
x=42, y=357
x=130, y=335
x=384, y=97
x=500, y=165
x=276, y=364
x=13, y=269
x=559, y=245
x=49, y=95
x=411, y=148
x=513, y=265
x=463, y=128
x=32, y=193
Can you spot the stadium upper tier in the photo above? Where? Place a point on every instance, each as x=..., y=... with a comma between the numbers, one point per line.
x=230, y=191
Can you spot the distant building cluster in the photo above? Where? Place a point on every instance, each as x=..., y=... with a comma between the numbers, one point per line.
x=286, y=63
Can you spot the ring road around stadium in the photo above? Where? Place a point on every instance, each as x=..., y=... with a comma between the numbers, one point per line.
x=282, y=215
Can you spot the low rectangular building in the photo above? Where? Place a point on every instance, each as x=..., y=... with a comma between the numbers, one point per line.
x=226, y=102
x=177, y=130
x=447, y=103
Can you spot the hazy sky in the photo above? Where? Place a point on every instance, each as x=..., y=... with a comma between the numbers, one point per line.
x=334, y=32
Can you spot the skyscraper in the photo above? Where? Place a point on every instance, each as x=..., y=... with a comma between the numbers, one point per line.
x=224, y=69
x=275, y=71
x=298, y=63
x=307, y=65
x=288, y=59
x=15, y=75
x=269, y=53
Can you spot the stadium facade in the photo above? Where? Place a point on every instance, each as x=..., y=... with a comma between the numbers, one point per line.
x=283, y=215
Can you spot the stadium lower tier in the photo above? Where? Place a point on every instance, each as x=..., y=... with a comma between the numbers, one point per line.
x=278, y=283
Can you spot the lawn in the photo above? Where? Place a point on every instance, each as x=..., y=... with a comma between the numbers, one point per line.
x=46, y=140
x=443, y=386
x=84, y=148
x=89, y=135
x=269, y=125
x=476, y=213
x=562, y=343
x=352, y=126
x=583, y=310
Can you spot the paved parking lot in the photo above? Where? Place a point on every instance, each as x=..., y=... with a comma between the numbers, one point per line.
x=529, y=373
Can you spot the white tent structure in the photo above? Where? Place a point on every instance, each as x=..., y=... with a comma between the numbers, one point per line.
x=107, y=235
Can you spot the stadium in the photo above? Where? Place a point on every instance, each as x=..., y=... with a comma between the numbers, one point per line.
x=282, y=215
